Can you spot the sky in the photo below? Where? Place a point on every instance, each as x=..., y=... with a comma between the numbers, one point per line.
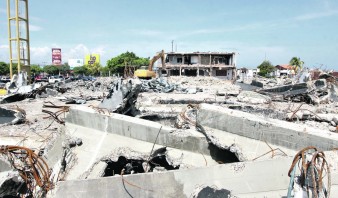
x=255, y=30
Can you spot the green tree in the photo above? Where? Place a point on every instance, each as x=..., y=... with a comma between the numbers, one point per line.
x=265, y=68
x=94, y=69
x=4, y=68
x=36, y=69
x=105, y=71
x=80, y=70
x=297, y=64
x=65, y=68
x=51, y=69
x=117, y=64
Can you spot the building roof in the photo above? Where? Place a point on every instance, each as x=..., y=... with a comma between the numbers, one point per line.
x=284, y=67
x=201, y=53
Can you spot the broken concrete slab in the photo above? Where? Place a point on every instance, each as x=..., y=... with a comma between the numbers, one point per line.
x=6, y=116
x=239, y=178
x=253, y=98
x=310, y=92
x=281, y=133
x=135, y=128
x=122, y=97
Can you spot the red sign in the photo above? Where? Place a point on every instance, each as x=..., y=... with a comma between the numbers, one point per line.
x=56, y=56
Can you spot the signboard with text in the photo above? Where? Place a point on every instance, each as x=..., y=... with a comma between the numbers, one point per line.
x=75, y=62
x=56, y=56
x=92, y=58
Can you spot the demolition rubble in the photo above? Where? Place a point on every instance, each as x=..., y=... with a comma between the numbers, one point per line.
x=170, y=136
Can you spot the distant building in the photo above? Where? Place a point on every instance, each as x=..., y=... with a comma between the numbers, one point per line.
x=218, y=64
x=283, y=70
x=245, y=74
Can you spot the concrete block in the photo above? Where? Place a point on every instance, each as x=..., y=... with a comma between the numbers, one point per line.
x=277, y=132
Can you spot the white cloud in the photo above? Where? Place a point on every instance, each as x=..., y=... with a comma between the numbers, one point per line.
x=40, y=55
x=37, y=19
x=4, y=46
x=79, y=51
x=34, y=28
x=316, y=15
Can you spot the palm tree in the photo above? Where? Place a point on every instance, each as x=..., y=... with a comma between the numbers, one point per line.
x=297, y=64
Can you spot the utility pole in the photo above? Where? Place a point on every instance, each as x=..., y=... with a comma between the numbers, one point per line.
x=172, y=46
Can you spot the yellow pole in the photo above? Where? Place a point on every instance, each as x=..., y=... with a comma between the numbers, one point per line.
x=9, y=38
x=27, y=34
x=17, y=33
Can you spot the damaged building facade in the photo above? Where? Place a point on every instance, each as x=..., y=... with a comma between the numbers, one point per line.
x=217, y=64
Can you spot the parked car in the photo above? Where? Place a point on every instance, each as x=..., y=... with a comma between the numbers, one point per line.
x=44, y=79
x=5, y=79
x=54, y=79
x=37, y=78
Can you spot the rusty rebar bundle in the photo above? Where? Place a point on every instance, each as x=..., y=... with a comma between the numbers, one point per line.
x=31, y=167
x=312, y=171
x=55, y=115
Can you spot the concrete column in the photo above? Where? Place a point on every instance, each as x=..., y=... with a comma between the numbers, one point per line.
x=199, y=63
x=181, y=71
x=210, y=73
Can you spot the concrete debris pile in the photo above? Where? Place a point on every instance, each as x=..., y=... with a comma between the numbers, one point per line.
x=311, y=92
x=163, y=86
x=122, y=97
x=253, y=98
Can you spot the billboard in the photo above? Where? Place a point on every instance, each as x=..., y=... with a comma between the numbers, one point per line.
x=91, y=59
x=56, y=56
x=75, y=62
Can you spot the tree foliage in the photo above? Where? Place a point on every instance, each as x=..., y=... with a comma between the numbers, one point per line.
x=93, y=69
x=296, y=63
x=117, y=64
x=265, y=68
x=51, y=69
x=64, y=69
x=80, y=70
x=36, y=69
x=4, y=68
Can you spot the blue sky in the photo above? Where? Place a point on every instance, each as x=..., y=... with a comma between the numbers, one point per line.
x=278, y=30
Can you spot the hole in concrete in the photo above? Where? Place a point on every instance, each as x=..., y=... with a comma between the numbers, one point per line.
x=168, y=120
x=222, y=156
x=133, y=166
x=6, y=116
x=14, y=98
x=130, y=166
x=212, y=192
x=12, y=188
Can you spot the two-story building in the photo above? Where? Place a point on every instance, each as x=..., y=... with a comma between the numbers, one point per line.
x=218, y=64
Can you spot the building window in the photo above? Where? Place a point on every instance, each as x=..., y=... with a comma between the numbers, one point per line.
x=221, y=72
x=179, y=60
